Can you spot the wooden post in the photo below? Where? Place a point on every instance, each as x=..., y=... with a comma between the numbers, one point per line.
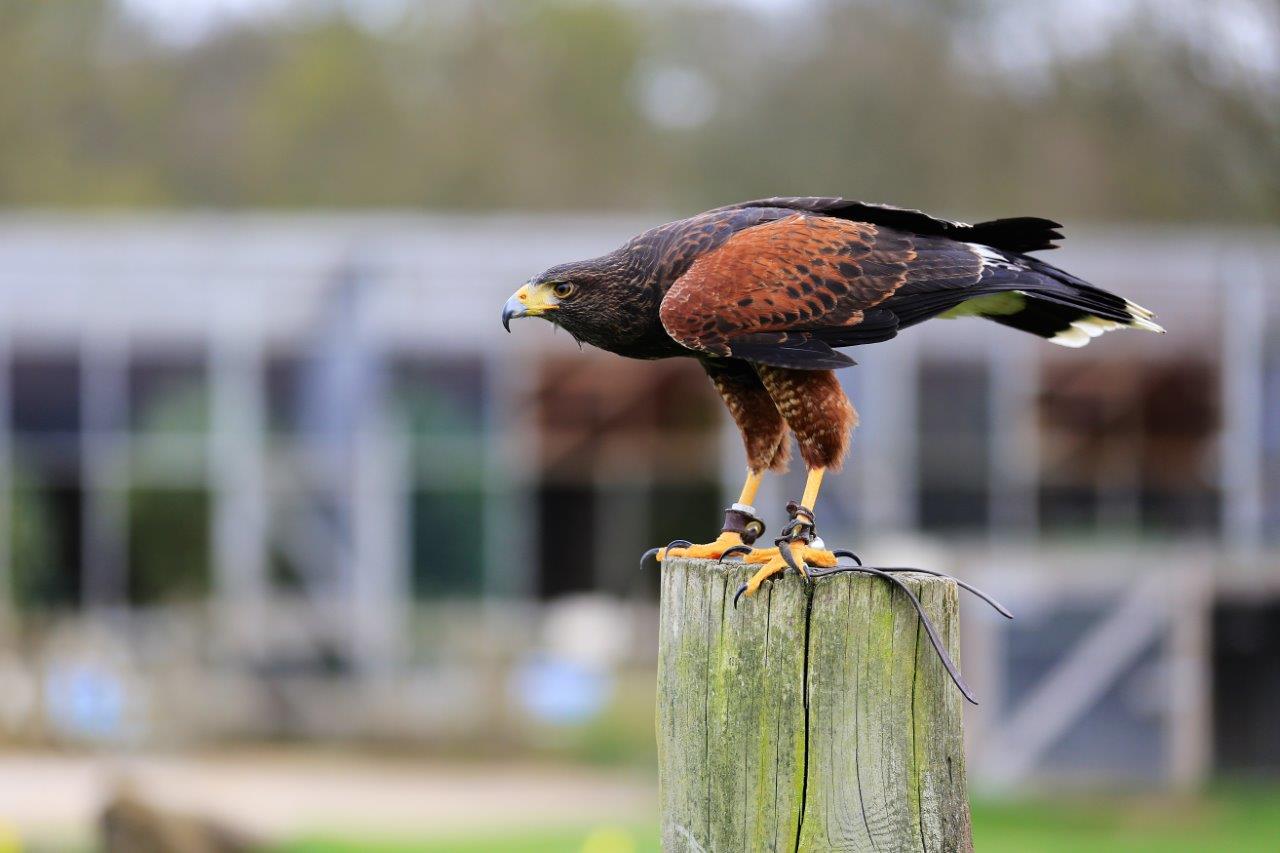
x=807, y=722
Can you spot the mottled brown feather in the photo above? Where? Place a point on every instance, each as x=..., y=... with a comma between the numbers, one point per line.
x=764, y=432
x=799, y=273
x=816, y=409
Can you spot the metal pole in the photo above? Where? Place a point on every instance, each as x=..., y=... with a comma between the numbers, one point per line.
x=237, y=469
x=104, y=469
x=1240, y=441
x=6, y=462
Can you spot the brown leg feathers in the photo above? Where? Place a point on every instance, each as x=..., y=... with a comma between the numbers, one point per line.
x=764, y=432
x=816, y=408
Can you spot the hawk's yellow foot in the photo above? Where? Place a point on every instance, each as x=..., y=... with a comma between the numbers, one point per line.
x=741, y=528
x=811, y=556
x=796, y=547
x=728, y=543
x=774, y=562
x=710, y=551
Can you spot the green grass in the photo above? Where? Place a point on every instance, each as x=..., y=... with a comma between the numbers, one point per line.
x=1242, y=819
x=603, y=839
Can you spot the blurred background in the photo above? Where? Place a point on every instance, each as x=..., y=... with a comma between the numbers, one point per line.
x=293, y=539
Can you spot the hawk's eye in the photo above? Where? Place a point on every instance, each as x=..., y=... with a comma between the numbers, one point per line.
x=562, y=289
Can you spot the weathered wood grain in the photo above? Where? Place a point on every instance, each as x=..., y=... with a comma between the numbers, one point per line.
x=807, y=722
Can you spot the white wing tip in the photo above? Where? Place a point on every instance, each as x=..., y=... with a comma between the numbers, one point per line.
x=1137, y=310
x=1143, y=318
x=1071, y=336
x=1081, y=331
x=1148, y=325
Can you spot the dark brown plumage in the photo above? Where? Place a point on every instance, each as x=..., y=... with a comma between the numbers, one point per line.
x=764, y=432
x=764, y=292
x=815, y=407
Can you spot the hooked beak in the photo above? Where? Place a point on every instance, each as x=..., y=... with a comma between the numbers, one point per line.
x=511, y=311
x=527, y=302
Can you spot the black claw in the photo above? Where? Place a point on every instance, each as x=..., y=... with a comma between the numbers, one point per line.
x=652, y=553
x=736, y=549
x=738, y=595
x=787, y=557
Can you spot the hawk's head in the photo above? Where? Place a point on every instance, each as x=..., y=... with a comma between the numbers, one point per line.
x=596, y=301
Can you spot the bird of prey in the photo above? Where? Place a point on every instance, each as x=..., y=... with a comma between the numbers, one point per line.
x=764, y=294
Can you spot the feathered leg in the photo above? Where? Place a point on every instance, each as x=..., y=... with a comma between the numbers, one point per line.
x=815, y=407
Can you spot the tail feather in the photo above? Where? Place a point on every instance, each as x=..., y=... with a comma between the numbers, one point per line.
x=1019, y=234
x=1032, y=296
x=1067, y=325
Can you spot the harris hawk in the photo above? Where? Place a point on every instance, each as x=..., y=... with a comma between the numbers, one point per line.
x=765, y=293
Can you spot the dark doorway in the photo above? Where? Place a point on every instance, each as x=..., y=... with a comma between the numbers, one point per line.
x=1246, y=688
x=567, y=539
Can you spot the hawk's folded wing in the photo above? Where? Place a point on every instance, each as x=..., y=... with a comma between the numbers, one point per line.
x=785, y=292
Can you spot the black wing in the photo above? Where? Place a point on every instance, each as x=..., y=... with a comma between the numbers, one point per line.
x=1017, y=234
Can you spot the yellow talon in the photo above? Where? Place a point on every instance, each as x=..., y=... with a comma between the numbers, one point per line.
x=801, y=554
x=818, y=557
x=812, y=556
x=711, y=551
x=769, y=569
x=774, y=563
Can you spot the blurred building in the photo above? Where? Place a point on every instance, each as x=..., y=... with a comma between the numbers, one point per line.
x=250, y=462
